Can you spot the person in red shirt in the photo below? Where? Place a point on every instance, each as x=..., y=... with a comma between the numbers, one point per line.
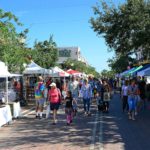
x=54, y=96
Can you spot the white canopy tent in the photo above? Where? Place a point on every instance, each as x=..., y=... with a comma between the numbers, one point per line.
x=4, y=70
x=5, y=74
x=58, y=72
x=33, y=68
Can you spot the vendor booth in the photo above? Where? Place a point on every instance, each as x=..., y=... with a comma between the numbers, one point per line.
x=58, y=72
x=126, y=72
x=31, y=72
x=147, y=72
x=143, y=72
x=74, y=73
x=133, y=72
x=7, y=97
x=5, y=115
x=33, y=68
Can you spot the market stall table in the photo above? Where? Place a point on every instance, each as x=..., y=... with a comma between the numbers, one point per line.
x=16, y=109
x=5, y=115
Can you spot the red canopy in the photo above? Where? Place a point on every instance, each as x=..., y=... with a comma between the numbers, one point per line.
x=73, y=72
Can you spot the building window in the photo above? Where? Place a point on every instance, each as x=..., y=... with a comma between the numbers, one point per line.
x=65, y=53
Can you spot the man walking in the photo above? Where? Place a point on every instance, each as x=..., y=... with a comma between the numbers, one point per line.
x=39, y=97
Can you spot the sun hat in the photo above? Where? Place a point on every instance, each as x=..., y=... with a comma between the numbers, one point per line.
x=53, y=84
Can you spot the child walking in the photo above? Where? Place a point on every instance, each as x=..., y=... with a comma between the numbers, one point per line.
x=75, y=107
x=68, y=107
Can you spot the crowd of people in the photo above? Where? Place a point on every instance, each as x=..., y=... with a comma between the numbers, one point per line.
x=70, y=92
x=74, y=90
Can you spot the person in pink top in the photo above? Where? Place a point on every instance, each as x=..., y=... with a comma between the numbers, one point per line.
x=54, y=96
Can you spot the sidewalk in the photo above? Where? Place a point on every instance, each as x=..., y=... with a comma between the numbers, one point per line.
x=28, y=108
x=25, y=110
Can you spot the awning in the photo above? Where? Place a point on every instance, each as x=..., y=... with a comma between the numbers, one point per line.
x=133, y=71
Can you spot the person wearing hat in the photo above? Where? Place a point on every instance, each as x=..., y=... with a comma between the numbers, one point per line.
x=39, y=97
x=54, y=96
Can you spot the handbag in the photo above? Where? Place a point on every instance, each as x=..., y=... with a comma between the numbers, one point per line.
x=107, y=96
x=48, y=111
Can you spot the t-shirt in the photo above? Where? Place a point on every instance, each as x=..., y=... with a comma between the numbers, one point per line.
x=86, y=91
x=39, y=88
x=132, y=90
x=125, y=90
x=54, y=95
x=68, y=102
x=74, y=88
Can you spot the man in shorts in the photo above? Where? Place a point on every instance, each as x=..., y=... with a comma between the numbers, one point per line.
x=39, y=97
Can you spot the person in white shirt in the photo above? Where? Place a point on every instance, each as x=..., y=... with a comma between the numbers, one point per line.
x=124, y=95
x=73, y=86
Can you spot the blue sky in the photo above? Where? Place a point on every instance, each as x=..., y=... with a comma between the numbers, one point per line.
x=66, y=20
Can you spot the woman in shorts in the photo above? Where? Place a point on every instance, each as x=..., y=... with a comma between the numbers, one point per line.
x=54, y=96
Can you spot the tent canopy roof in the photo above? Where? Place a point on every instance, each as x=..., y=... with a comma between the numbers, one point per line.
x=33, y=68
x=58, y=72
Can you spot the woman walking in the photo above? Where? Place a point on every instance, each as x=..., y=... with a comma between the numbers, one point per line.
x=132, y=93
x=106, y=95
x=86, y=91
x=54, y=96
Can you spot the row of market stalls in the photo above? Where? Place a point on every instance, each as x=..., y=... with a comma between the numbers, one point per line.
x=143, y=71
x=33, y=70
x=9, y=103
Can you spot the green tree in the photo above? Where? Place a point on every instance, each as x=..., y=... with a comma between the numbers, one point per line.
x=107, y=74
x=120, y=63
x=80, y=66
x=125, y=27
x=45, y=53
x=12, y=51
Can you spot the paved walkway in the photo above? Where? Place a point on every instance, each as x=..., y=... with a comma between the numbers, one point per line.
x=100, y=131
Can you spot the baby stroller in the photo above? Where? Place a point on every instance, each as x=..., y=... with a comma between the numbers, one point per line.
x=100, y=105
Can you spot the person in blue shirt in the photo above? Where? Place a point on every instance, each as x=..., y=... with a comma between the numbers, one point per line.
x=86, y=91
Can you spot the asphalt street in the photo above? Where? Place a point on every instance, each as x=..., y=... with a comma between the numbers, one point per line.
x=100, y=131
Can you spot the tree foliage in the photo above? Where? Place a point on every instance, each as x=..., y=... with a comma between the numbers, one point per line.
x=119, y=64
x=107, y=74
x=126, y=27
x=12, y=51
x=80, y=66
x=45, y=53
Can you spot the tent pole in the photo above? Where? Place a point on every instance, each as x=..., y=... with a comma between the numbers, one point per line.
x=7, y=90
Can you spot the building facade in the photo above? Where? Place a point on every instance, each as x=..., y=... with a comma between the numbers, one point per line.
x=74, y=53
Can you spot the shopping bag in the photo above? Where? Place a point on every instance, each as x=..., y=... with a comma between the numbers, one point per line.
x=107, y=96
x=48, y=111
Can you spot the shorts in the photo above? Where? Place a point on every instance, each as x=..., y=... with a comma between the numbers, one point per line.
x=40, y=102
x=54, y=106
